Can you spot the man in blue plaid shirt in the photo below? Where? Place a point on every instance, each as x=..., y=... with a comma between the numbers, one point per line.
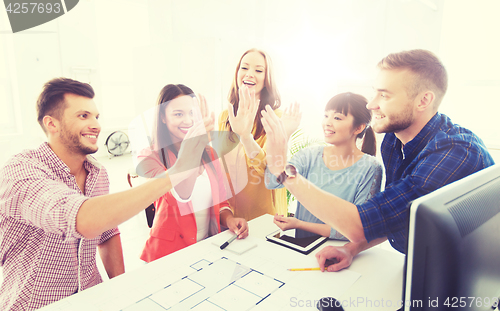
x=422, y=151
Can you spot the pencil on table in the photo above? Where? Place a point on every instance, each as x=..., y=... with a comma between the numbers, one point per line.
x=304, y=269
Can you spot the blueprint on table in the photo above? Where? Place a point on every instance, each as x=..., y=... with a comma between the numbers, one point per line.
x=220, y=285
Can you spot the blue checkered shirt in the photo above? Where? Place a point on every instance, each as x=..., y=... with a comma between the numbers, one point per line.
x=440, y=154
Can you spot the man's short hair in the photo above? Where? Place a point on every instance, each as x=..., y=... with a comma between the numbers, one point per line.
x=51, y=100
x=429, y=73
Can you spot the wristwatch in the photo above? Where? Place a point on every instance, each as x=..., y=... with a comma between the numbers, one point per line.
x=289, y=172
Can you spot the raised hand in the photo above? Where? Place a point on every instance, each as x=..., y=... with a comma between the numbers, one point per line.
x=291, y=118
x=195, y=141
x=207, y=116
x=242, y=122
x=277, y=141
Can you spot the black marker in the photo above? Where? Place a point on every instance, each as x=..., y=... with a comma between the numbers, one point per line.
x=228, y=241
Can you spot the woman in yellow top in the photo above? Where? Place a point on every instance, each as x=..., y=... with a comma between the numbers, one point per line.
x=244, y=157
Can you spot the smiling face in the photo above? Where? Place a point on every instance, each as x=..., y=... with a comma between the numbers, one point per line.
x=178, y=117
x=338, y=128
x=392, y=109
x=252, y=72
x=79, y=125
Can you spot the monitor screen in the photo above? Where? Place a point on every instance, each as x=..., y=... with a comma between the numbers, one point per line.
x=453, y=259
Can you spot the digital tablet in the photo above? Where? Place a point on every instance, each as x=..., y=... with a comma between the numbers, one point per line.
x=302, y=245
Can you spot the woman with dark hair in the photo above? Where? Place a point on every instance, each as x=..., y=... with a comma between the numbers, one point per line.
x=340, y=167
x=253, y=88
x=196, y=208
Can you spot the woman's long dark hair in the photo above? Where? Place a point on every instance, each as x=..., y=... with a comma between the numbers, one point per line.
x=355, y=104
x=162, y=139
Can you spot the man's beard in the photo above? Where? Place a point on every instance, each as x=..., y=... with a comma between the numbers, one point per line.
x=398, y=122
x=73, y=143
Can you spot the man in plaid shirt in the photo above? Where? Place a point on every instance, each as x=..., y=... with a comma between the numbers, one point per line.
x=422, y=151
x=55, y=210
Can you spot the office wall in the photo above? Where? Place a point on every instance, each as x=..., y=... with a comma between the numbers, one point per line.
x=472, y=54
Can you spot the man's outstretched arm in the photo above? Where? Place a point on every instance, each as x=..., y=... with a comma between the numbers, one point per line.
x=102, y=213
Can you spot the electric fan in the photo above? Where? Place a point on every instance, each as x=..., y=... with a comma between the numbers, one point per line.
x=117, y=143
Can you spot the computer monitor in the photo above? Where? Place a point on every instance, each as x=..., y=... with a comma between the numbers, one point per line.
x=453, y=259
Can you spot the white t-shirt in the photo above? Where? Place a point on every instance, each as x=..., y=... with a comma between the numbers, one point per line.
x=201, y=199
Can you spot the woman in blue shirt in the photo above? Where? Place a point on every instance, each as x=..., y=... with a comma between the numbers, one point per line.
x=340, y=167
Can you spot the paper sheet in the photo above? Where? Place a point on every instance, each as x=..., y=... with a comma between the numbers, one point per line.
x=237, y=246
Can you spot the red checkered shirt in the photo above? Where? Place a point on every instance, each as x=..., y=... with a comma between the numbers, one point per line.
x=44, y=258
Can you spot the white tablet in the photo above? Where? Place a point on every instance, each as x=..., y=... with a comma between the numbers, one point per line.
x=303, y=245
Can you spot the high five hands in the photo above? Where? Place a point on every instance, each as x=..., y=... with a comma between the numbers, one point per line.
x=195, y=141
x=278, y=133
x=242, y=122
x=277, y=141
x=207, y=117
x=291, y=118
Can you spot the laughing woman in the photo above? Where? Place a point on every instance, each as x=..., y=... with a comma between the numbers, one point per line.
x=252, y=89
x=340, y=167
x=197, y=207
